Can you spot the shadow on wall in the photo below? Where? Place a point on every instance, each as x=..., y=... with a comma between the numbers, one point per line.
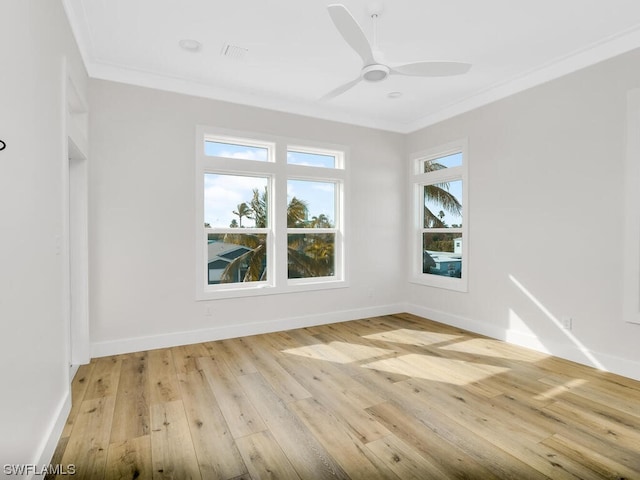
x=517, y=322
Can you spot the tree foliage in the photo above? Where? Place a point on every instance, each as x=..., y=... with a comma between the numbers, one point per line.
x=309, y=255
x=243, y=211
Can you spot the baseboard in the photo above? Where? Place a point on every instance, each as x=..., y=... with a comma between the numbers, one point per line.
x=602, y=361
x=138, y=344
x=50, y=441
x=456, y=321
x=73, y=369
x=576, y=353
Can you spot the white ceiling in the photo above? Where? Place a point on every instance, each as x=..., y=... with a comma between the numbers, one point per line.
x=296, y=55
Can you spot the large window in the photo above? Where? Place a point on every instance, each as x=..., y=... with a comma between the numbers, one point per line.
x=270, y=214
x=439, y=239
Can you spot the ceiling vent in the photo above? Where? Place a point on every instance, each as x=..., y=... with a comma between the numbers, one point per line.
x=233, y=51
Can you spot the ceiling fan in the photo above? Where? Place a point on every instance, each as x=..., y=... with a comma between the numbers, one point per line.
x=372, y=70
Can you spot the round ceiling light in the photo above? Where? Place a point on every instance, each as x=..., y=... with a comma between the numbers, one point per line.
x=190, y=45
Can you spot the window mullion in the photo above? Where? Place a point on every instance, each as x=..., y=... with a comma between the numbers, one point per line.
x=279, y=215
x=441, y=230
x=440, y=176
x=311, y=230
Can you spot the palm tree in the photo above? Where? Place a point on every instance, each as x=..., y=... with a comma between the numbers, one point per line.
x=243, y=211
x=252, y=262
x=259, y=208
x=321, y=221
x=297, y=213
x=439, y=193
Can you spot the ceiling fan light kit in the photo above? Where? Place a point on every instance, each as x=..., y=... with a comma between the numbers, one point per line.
x=372, y=70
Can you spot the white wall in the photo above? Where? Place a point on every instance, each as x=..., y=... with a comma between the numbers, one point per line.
x=34, y=369
x=545, y=218
x=142, y=222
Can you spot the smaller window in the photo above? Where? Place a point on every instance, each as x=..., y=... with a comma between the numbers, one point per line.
x=447, y=161
x=311, y=204
x=236, y=228
x=241, y=150
x=443, y=205
x=232, y=201
x=311, y=255
x=311, y=228
x=440, y=236
x=236, y=258
x=442, y=254
x=311, y=159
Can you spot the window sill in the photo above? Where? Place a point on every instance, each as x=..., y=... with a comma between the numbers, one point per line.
x=447, y=283
x=298, y=286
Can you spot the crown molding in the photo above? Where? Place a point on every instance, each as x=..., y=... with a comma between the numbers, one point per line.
x=603, y=50
x=120, y=74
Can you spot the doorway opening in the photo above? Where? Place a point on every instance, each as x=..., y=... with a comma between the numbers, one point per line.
x=78, y=258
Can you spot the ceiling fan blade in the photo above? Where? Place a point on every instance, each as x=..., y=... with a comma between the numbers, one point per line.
x=432, y=69
x=341, y=89
x=351, y=32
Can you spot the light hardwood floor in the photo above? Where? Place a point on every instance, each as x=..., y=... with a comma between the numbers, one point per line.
x=393, y=397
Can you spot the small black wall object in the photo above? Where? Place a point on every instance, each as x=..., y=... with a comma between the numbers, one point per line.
x=2, y=145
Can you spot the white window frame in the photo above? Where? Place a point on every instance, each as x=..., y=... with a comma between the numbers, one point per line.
x=278, y=171
x=337, y=231
x=418, y=180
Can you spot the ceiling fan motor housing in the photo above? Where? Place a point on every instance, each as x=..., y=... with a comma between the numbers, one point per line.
x=375, y=72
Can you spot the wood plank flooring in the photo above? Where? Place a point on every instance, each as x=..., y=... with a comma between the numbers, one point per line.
x=393, y=397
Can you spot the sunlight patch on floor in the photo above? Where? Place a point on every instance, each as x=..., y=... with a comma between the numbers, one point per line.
x=495, y=348
x=559, y=389
x=413, y=337
x=339, y=352
x=482, y=346
x=456, y=372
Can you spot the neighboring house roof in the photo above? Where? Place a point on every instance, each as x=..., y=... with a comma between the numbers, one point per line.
x=444, y=256
x=224, y=252
x=427, y=260
x=234, y=253
x=218, y=264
